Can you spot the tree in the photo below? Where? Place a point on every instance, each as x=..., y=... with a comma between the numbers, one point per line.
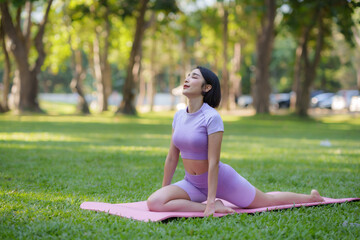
x=225, y=72
x=26, y=84
x=102, y=68
x=127, y=105
x=77, y=80
x=7, y=70
x=66, y=51
x=96, y=15
x=264, y=46
x=356, y=32
x=151, y=84
x=310, y=22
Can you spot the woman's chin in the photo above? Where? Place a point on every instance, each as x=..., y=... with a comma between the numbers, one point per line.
x=185, y=92
x=190, y=94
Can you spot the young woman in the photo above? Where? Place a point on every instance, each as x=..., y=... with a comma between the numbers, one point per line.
x=197, y=135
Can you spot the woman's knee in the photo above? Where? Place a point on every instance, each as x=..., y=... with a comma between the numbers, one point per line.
x=261, y=200
x=155, y=202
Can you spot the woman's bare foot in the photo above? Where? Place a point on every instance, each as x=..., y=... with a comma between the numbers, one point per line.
x=221, y=208
x=315, y=196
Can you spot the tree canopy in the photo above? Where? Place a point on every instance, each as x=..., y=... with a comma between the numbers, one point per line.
x=137, y=48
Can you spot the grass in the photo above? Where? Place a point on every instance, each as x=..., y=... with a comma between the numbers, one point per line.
x=50, y=164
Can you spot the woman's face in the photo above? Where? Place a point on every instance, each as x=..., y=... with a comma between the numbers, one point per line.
x=194, y=84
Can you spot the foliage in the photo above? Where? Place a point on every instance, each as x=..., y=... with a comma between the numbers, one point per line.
x=281, y=66
x=72, y=25
x=49, y=164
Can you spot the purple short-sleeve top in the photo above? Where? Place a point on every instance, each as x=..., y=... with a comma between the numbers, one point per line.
x=191, y=131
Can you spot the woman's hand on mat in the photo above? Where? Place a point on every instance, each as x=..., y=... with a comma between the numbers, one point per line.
x=217, y=207
x=210, y=209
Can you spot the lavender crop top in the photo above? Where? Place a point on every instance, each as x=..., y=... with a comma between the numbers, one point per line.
x=191, y=131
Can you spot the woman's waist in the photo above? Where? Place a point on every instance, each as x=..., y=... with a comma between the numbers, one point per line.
x=199, y=178
x=196, y=167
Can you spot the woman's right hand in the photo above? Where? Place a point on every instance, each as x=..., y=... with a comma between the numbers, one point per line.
x=218, y=207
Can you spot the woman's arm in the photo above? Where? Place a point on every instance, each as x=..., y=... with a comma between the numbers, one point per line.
x=214, y=149
x=170, y=163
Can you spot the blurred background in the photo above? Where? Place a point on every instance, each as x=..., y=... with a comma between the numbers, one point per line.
x=128, y=56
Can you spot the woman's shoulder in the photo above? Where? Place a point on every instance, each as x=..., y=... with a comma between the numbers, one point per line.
x=213, y=120
x=210, y=111
x=211, y=115
x=180, y=112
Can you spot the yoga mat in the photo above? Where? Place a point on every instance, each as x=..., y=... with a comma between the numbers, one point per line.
x=139, y=210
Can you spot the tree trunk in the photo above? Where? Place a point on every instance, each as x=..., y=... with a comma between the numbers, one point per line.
x=235, y=78
x=303, y=99
x=142, y=90
x=185, y=62
x=151, y=89
x=127, y=105
x=297, y=74
x=39, y=46
x=144, y=76
x=358, y=77
x=26, y=86
x=79, y=75
x=7, y=71
x=172, y=78
x=100, y=83
x=225, y=71
x=101, y=65
x=106, y=68
x=356, y=32
x=299, y=64
x=264, y=46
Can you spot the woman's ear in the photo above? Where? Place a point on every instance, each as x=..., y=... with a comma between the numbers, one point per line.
x=208, y=87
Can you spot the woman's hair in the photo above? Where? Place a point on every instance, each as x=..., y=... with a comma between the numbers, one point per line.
x=213, y=96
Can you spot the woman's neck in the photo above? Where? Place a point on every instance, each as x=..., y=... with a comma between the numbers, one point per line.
x=195, y=104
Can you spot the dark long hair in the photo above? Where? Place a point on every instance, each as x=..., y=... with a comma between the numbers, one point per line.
x=212, y=97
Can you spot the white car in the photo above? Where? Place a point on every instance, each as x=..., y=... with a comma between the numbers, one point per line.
x=245, y=101
x=355, y=104
x=342, y=99
x=318, y=99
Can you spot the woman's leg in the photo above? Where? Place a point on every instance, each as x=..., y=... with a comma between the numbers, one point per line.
x=174, y=199
x=283, y=198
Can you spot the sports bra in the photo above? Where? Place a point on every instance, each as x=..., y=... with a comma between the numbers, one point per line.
x=191, y=131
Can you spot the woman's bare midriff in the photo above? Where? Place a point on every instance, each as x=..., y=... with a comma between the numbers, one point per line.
x=195, y=167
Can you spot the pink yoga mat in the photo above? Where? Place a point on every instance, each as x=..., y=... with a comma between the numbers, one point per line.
x=139, y=210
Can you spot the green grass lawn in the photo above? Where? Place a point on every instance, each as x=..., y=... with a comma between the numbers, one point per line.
x=50, y=164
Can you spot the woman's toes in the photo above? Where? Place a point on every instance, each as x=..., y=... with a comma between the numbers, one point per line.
x=316, y=196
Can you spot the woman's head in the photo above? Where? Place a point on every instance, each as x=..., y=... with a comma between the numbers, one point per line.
x=212, y=96
x=204, y=84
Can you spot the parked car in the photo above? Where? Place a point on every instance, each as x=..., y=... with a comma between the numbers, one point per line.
x=322, y=97
x=342, y=99
x=316, y=92
x=282, y=100
x=326, y=103
x=355, y=104
x=245, y=101
x=278, y=100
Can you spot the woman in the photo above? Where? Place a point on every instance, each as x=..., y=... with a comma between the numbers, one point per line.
x=197, y=135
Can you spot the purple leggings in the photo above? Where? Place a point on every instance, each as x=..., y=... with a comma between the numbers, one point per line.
x=231, y=187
